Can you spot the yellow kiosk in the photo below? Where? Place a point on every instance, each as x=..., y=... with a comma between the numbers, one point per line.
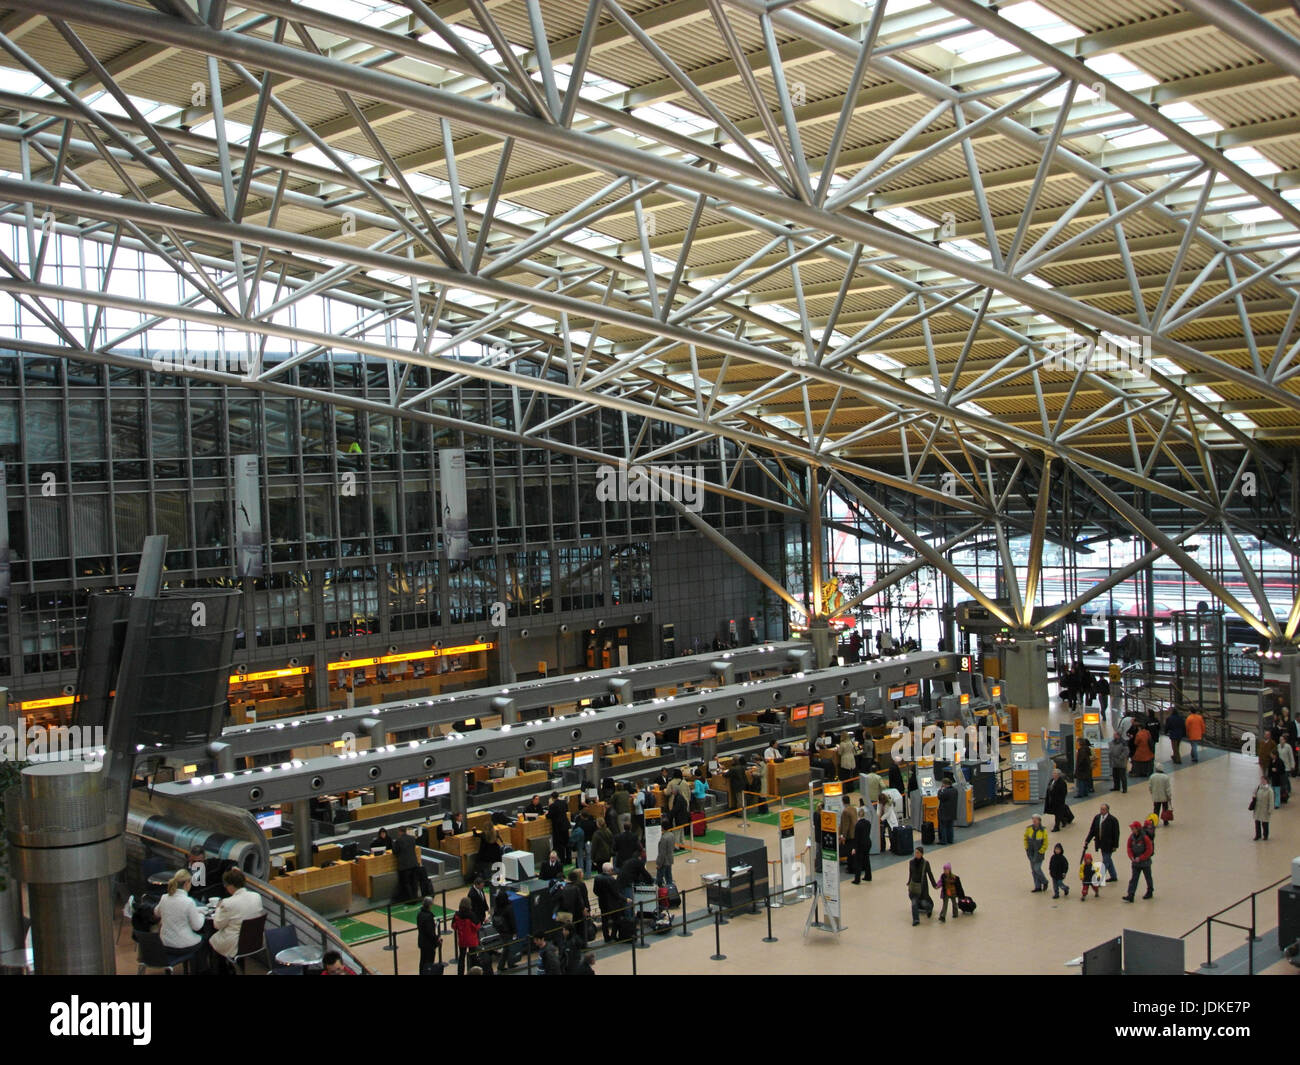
x=1020, y=767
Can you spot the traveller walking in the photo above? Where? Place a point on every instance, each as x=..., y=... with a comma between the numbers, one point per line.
x=1058, y=867
x=1036, y=850
x=1176, y=729
x=1083, y=769
x=1105, y=832
x=919, y=881
x=1118, y=749
x=1141, y=851
x=1195, y=729
x=1162, y=792
x=950, y=891
x=1054, y=803
x=1091, y=875
x=1261, y=804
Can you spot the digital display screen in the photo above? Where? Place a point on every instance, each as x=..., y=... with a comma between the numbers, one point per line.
x=799, y=713
x=688, y=735
x=268, y=819
x=584, y=757
x=817, y=709
x=912, y=690
x=439, y=786
x=895, y=694
x=561, y=761
x=708, y=732
x=413, y=792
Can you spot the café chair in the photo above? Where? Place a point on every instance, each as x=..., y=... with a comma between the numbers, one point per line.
x=278, y=939
x=151, y=954
x=252, y=940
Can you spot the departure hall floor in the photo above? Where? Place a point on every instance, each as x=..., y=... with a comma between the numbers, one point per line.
x=1204, y=861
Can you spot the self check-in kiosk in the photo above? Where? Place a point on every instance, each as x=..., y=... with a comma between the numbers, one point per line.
x=1029, y=776
x=925, y=800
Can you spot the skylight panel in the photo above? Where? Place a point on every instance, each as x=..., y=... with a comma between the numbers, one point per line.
x=1036, y=19
x=1251, y=161
x=978, y=46
x=315, y=157
x=236, y=132
x=20, y=81
x=672, y=118
x=1122, y=72
x=880, y=361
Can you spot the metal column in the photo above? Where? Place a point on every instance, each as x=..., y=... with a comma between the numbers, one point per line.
x=65, y=844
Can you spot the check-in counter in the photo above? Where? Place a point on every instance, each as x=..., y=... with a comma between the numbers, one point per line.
x=465, y=847
x=375, y=875
x=326, y=891
x=391, y=808
x=597, y=810
x=522, y=780
x=618, y=761
x=789, y=777
x=327, y=853
x=523, y=831
x=745, y=732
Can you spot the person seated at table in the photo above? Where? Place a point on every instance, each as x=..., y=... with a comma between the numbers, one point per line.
x=332, y=965
x=552, y=868
x=772, y=753
x=535, y=807
x=198, y=868
x=239, y=905
x=180, y=916
x=382, y=839
x=458, y=824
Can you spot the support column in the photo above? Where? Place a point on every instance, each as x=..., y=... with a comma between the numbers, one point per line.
x=459, y=793
x=66, y=844
x=300, y=811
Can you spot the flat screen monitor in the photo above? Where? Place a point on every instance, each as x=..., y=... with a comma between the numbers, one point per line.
x=268, y=819
x=439, y=786
x=584, y=757
x=688, y=735
x=413, y=792
x=896, y=694
x=561, y=761
x=912, y=690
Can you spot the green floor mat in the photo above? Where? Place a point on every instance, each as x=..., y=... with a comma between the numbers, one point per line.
x=410, y=911
x=711, y=838
x=799, y=801
x=774, y=819
x=353, y=932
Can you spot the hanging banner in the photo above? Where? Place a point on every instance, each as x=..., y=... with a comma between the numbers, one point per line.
x=829, y=842
x=455, y=513
x=653, y=832
x=248, y=516
x=790, y=879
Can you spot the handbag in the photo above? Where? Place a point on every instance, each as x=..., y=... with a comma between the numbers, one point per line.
x=1167, y=814
x=1252, y=803
x=966, y=904
x=915, y=889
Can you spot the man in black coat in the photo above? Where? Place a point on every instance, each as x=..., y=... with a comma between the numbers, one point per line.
x=948, y=796
x=610, y=898
x=1055, y=804
x=478, y=900
x=1105, y=830
x=408, y=866
x=574, y=899
x=632, y=874
x=558, y=814
x=428, y=940
x=627, y=845
x=860, y=852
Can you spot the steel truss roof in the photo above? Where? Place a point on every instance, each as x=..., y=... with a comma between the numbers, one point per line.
x=846, y=236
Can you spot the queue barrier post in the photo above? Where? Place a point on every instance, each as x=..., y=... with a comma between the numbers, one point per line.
x=767, y=898
x=683, y=900
x=717, y=937
x=634, y=955
x=1209, y=930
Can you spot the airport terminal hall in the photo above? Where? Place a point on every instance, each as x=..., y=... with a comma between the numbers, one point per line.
x=649, y=488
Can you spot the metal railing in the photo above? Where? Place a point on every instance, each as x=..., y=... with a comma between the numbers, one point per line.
x=290, y=913
x=1250, y=930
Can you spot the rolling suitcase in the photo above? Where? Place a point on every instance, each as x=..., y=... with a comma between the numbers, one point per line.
x=698, y=825
x=927, y=833
x=901, y=840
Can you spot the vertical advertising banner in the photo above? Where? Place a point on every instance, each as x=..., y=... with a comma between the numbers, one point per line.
x=829, y=841
x=4, y=533
x=455, y=512
x=653, y=832
x=248, y=516
x=789, y=877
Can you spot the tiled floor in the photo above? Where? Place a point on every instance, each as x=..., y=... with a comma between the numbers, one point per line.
x=1204, y=861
